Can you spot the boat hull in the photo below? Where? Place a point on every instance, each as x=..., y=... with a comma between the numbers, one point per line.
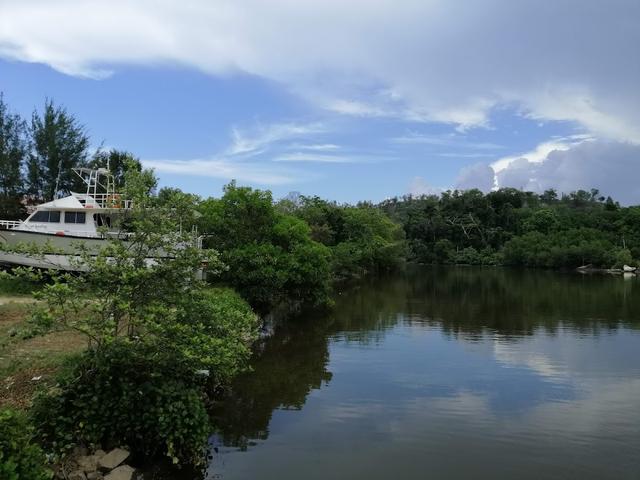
x=58, y=243
x=59, y=252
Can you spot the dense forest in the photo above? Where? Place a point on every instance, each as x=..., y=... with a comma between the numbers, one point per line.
x=512, y=227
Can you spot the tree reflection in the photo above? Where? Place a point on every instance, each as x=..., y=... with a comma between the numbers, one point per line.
x=290, y=363
x=466, y=303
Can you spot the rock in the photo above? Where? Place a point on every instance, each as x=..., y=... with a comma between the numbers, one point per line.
x=77, y=475
x=112, y=459
x=629, y=269
x=79, y=451
x=88, y=463
x=94, y=476
x=123, y=472
x=99, y=454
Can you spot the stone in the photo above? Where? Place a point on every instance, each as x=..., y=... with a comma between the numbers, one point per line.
x=94, y=476
x=112, y=459
x=99, y=454
x=80, y=452
x=88, y=463
x=123, y=472
x=77, y=475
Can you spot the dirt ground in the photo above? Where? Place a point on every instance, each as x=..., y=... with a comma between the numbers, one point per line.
x=28, y=362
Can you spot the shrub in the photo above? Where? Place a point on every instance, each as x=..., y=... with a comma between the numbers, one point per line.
x=19, y=457
x=130, y=395
x=214, y=330
x=271, y=256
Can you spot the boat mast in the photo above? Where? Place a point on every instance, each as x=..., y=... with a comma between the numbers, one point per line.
x=55, y=192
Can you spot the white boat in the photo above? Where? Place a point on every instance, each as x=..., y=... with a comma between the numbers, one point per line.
x=58, y=226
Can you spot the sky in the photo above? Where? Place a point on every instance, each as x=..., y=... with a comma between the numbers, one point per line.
x=349, y=100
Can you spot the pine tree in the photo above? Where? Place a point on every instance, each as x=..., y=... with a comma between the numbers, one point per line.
x=60, y=143
x=13, y=151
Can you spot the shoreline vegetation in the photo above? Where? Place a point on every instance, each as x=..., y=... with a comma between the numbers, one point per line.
x=131, y=355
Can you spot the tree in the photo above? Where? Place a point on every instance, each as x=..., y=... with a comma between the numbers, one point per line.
x=271, y=257
x=60, y=143
x=152, y=325
x=13, y=151
x=118, y=162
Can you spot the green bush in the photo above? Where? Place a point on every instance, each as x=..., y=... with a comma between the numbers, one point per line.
x=214, y=330
x=362, y=239
x=271, y=256
x=126, y=394
x=20, y=459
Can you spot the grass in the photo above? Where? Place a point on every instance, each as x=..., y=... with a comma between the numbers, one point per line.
x=29, y=362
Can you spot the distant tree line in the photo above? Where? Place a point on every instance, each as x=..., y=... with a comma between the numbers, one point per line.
x=512, y=227
x=36, y=157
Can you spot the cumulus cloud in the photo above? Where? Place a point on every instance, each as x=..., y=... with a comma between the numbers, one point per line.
x=419, y=186
x=479, y=175
x=421, y=60
x=611, y=167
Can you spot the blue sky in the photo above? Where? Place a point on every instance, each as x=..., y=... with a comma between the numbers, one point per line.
x=346, y=100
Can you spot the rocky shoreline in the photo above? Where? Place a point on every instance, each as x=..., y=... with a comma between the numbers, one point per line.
x=99, y=465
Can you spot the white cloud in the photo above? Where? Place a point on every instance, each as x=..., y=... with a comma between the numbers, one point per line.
x=444, y=140
x=316, y=147
x=419, y=186
x=611, y=167
x=465, y=155
x=541, y=151
x=226, y=170
x=246, y=157
x=264, y=136
x=479, y=175
x=313, y=157
x=423, y=60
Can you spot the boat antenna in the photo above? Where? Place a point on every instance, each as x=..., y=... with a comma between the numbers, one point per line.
x=55, y=192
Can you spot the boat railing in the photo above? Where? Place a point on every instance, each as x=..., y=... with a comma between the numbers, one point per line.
x=8, y=224
x=105, y=200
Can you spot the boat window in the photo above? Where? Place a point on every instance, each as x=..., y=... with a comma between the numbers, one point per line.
x=75, y=217
x=40, y=216
x=46, y=216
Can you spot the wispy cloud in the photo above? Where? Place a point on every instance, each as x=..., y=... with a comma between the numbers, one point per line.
x=314, y=157
x=257, y=141
x=466, y=155
x=227, y=170
x=444, y=140
x=315, y=147
x=247, y=157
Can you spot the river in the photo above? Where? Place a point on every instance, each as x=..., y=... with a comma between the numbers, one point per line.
x=445, y=373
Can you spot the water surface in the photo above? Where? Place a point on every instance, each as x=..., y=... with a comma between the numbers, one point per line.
x=446, y=374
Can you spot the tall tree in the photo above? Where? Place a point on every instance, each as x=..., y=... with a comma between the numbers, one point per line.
x=60, y=143
x=13, y=151
x=118, y=162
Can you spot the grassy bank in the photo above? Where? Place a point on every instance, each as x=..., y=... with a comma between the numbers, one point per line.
x=28, y=361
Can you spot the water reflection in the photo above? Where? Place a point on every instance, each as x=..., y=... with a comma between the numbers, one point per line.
x=289, y=365
x=458, y=372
